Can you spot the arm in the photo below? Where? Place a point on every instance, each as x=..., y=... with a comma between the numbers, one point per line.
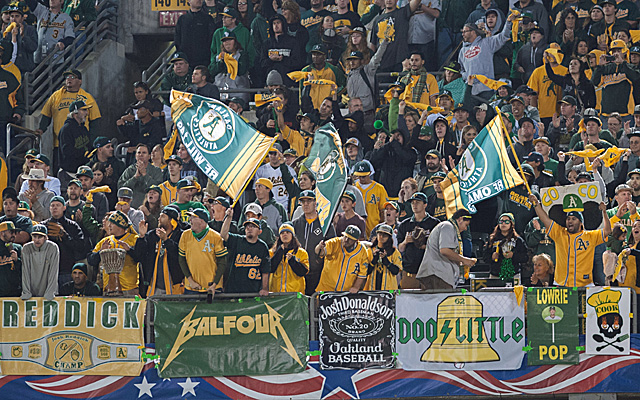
x=222, y=267
x=414, y=4
x=607, y=223
x=557, y=79
x=224, y=230
x=453, y=256
x=289, y=182
x=357, y=285
x=52, y=281
x=544, y=217
x=26, y=281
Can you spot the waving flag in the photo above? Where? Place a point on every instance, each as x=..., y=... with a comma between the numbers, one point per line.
x=326, y=161
x=483, y=171
x=225, y=147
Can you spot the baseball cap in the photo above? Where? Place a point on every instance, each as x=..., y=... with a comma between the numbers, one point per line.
x=419, y=196
x=73, y=72
x=527, y=169
x=392, y=204
x=634, y=50
x=78, y=105
x=584, y=175
x=355, y=55
x=319, y=48
x=362, y=168
x=313, y=117
x=178, y=56
x=239, y=101
x=307, y=194
x=517, y=98
x=290, y=152
x=348, y=194
x=636, y=110
x=222, y=201
x=185, y=184
x=24, y=206
x=352, y=232
x=103, y=141
x=143, y=104
x=125, y=192
x=542, y=139
x=228, y=35
x=634, y=172
x=11, y=193
x=32, y=153
x=173, y=158
x=7, y=226
x=200, y=213
x=526, y=119
x=352, y=142
x=171, y=212
x=155, y=188
x=433, y=152
x=230, y=12
x=254, y=208
x=535, y=157
x=384, y=228
x=75, y=182
x=453, y=66
x=592, y=118
x=59, y=199
x=623, y=187
x=265, y=182
x=253, y=221
x=568, y=99
x=438, y=175
x=276, y=146
x=358, y=29
x=45, y=160
x=538, y=28
x=39, y=230
x=444, y=93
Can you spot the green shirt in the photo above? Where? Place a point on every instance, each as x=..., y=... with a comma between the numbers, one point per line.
x=186, y=207
x=551, y=167
x=626, y=219
x=247, y=263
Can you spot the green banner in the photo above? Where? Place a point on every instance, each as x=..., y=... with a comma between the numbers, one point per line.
x=326, y=161
x=266, y=336
x=552, y=326
x=225, y=147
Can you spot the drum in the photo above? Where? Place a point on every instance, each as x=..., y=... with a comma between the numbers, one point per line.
x=112, y=262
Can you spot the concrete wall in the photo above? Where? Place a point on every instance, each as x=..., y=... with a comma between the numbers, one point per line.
x=137, y=19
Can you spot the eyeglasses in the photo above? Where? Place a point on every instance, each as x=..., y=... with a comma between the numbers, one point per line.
x=242, y=4
x=211, y=201
x=273, y=153
x=504, y=221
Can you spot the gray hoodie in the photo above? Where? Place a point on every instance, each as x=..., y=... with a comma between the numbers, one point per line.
x=476, y=58
x=40, y=270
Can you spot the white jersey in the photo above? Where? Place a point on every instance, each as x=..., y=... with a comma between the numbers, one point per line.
x=53, y=185
x=279, y=191
x=52, y=28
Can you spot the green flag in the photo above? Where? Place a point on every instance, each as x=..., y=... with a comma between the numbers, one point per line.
x=326, y=161
x=225, y=147
x=477, y=176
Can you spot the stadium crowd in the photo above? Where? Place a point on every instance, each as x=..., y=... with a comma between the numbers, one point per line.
x=564, y=74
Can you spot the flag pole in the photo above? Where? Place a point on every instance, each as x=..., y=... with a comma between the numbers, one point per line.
x=513, y=150
x=273, y=140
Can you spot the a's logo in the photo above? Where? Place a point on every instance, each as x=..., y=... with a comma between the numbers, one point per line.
x=357, y=327
x=16, y=351
x=267, y=323
x=472, y=167
x=582, y=244
x=213, y=127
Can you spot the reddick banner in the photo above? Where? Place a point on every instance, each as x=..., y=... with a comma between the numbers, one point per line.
x=473, y=331
x=267, y=336
x=357, y=330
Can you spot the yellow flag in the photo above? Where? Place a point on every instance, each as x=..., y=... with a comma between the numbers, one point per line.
x=262, y=99
x=635, y=35
x=586, y=155
x=612, y=156
x=421, y=106
x=169, y=148
x=297, y=76
x=232, y=65
x=318, y=82
x=490, y=83
x=515, y=25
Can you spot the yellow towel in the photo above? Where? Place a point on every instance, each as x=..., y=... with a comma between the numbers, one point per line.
x=318, y=82
x=490, y=83
x=9, y=29
x=262, y=99
x=612, y=156
x=515, y=25
x=232, y=65
x=298, y=75
x=99, y=189
x=586, y=154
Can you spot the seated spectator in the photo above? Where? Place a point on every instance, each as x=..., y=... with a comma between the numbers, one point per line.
x=11, y=264
x=125, y=196
x=40, y=259
x=289, y=262
x=139, y=176
x=40, y=161
x=200, y=83
x=231, y=67
x=37, y=196
x=80, y=285
x=179, y=78
x=142, y=92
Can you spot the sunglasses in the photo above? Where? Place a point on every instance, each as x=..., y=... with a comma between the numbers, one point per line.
x=504, y=221
x=273, y=153
x=211, y=201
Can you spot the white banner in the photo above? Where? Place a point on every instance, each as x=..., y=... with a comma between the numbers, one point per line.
x=608, y=320
x=472, y=331
x=589, y=193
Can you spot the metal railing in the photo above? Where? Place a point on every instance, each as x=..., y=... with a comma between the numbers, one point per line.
x=47, y=76
x=153, y=75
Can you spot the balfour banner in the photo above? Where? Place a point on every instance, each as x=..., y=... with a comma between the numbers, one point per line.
x=608, y=320
x=71, y=336
x=266, y=336
x=552, y=321
x=472, y=331
x=357, y=330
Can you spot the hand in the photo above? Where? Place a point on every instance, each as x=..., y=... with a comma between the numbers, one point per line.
x=469, y=262
x=289, y=255
x=271, y=124
x=78, y=215
x=568, y=122
x=511, y=17
x=471, y=79
x=631, y=207
x=277, y=105
x=561, y=156
x=128, y=118
x=409, y=238
x=124, y=245
x=533, y=199
x=406, y=66
x=162, y=234
x=619, y=59
x=142, y=227
x=626, y=252
x=495, y=256
x=401, y=196
x=622, y=210
x=508, y=254
x=401, y=106
x=602, y=206
x=334, y=88
x=555, y=120
x=212, y=289
x=109, y=170
x=602, y=60
x=141, y=168
x=105, y=245
x=627, y=127
x=39, y=132
x=626, y=155
x=14, y=255
x=353, y=290
x=144, y=210
x=229, y=212
x=17, y=117
x=31, y=195
x=193, y=284
x=520, y=69
x=263, y=293
x=597, y=163
x=60, y=46
x=536, y=224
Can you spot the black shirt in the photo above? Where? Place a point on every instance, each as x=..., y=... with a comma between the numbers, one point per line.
x=412, y=255
x=90, y=289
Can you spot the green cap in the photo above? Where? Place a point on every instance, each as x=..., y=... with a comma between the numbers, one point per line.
x=572, y=202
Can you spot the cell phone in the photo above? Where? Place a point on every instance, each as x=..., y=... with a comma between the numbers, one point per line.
x=609, y=58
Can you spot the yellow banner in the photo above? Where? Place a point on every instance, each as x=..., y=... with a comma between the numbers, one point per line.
x=72, y=336
x=169, y=5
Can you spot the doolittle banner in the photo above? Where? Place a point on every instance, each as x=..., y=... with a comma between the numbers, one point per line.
x=75, y=336
x=473, y=331
x=265, y=337
x=357, y=330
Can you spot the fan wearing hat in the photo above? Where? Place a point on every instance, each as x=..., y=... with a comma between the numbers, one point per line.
x=145, y=128
x=435, y=203
x=22, y=225
x=386, y=261
x=361, y=75
x=104, y=149
x=170, y=186
x=74, y=139
x=452, y=82
x=530, y=56
x=516, y=200
x=40, y=161
x=11, y=264
x=543, y=85
x=302, y=139
x=346, y=262
x=125, y=196
x=279, y=50
x=37, y=196
x=542, y=178
x=40, y=261
x=231, y=24
x=321, y=69
x=289, y=262
x=179, y=77
x=373, y=194
x=593, y=127
x=157, y=251
x=348, y=215
x=57, y=106
x=249, y=265
x=186, y=189
x=216, y=207
x=273, y=198
x=80, y=285
x=201, y=254
x=574, y=243
x=432, y=165
x=23, y=33
x=254, y=211
x=312, y=19
x=122, y=237
x=542, y=145
x=524, y=143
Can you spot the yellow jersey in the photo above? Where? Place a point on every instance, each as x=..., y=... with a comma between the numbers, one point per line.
x=430, y=89
x=574, y=255
x=284, y=279
x=342, y=267
x=57, y=108
x=297, y=141
x=201, y=256
x=374, y=197
x=548, y=92
x=169, y=193
x=129, y=275
x=381, y=278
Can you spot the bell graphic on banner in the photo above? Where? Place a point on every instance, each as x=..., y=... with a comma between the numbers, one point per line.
x=458, y=336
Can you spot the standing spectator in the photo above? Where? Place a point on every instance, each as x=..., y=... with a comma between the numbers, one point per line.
x=344, y=19
x=37, y=196
x=184, y=199
x=69, y=238
x=312, y=21
x=394, y=160
x=232, y=25
x=139, y=176
x=386, y=262
x=549, y=92
x=189, y=167
x=260, y=36
x=435, y=203
x=361, y=79
x=289, y=263
x=391, y=213
x=80, y=11
x=55, y=30
x=193, y=34
x=24, y=38
x=217, y=207
x=433, y=164
x=103, y=153
x=253, y=210
x=531, y=55
x=151, y=207
x=40, y=259
x=98, y=200
x=536, y=236
x=280, y=50
x=179, y=78
x=348, y=215
x=223, y=73
x=202, y=255
x=538, y=12
x=320, y=69
x=564, y=126
x=74, y=141
x=80, y=285
x=10, y=261
x=273, y=174
x=169, y=187
x=56, y=108
x=347, y=262
x=422, y=30
x=393, y=25
x=295, y=29
x=603, y=32
x=11, y=102
x=249, y=264
x=440, y=267
x=476, y=55
x=125, y=196
x=506, y=251
x=424, y=84
x=273, y=212
x=373, y=193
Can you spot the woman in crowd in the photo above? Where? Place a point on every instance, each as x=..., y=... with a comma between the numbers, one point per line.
x=245, y=11
x=506, y=251
x=152, y=206
x=386, y=261
x=629, y=275
x=469, y=133
x=231, y=57
x=567, y=32
x=306, y=181
x=575, y=84
x=157, y=157
x=100, y=178
x=357, y=42
x=289, y=262
x=542, y=271
x=142, y=92
x=291, y=12
x=407, y=188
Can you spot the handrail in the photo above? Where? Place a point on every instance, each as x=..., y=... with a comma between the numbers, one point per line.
x=47, y=76
x=153, y=75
